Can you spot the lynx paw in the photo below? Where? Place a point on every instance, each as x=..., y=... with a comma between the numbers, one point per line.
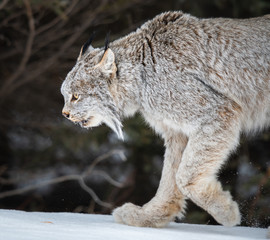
x=232, y=217
x=133, y=215
x=229, y=215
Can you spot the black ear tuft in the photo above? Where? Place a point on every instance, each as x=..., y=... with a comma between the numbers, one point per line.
x=107, y=39
x=88, y=43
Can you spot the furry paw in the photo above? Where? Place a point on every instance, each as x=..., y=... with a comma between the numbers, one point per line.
x=133, y=215
x=227, y=215
x=232, y=217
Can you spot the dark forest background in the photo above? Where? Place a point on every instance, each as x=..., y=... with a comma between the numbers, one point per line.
x=49, y=164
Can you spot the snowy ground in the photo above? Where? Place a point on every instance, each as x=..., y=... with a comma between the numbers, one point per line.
x=18, y=225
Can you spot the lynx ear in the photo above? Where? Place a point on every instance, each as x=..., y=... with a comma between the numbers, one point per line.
x=87, y=46
x=83, y=50
x=107, y=63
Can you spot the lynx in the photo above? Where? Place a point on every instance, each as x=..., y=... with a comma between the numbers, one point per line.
x=199, y=83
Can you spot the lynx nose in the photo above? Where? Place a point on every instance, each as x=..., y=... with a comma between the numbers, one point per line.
x=65, y=114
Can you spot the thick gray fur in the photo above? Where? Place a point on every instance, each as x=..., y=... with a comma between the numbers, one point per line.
x=199, y=83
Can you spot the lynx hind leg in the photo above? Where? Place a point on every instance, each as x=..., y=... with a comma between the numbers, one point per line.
x=196, y=176
x=168, y=201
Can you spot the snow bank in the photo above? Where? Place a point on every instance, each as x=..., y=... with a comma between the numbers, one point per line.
x=18, y=225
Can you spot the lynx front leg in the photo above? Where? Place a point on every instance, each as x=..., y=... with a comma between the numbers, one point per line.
x=168, y=201
x=196, y=176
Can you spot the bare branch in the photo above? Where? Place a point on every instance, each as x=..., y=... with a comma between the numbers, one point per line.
x=38, y=185
x=93, y=194
x=91, y=19
x=27, y=52
x=101, y=158
x=58, y=19
x=108, y=178
x=52, y=60
x=11, y=53
x=13, y=16
x=73, y=177
x=3, y=4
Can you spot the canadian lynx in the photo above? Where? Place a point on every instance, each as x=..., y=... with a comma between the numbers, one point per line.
x=199, y=83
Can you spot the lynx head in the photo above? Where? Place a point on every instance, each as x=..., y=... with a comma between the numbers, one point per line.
x=86, y=89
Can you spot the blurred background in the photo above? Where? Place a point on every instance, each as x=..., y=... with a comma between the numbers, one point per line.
x=49, y=164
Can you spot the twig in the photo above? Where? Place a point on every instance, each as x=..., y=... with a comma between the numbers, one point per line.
x=93, y=194
x=101, y=158
x=74, y=177
x=108, y=178
x=3, y=4
x=15, y=15
x=47, y=63
x=51, y=61
x=35, y=72
x=38, y=185
x=56, y=20
x=27, y=52
x=55, y=181
x=9, y=54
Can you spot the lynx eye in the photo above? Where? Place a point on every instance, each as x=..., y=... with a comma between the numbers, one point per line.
x=75, y=97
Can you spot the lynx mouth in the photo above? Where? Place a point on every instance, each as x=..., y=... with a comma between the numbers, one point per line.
x=96, y=120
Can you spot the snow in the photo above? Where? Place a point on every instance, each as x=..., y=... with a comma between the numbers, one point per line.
x=18, y=225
